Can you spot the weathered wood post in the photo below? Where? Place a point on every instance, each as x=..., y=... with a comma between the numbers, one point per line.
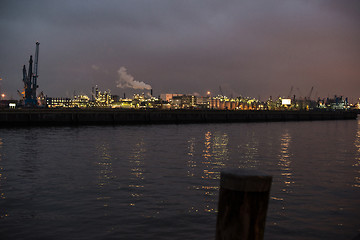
x=243, y=203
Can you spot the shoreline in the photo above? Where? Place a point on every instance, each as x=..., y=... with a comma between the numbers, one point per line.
x=49, y=117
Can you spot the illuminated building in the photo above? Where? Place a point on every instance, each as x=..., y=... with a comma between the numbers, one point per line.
x=169, y=96
x=337, y=103
x=239, y=103
x=123, y=103
x=102, y=99
x=183, y=101
x=286, y=101
x=187, y=101
x=203, y=102
x=58, y=102
x=80, y=101
x=8, y=104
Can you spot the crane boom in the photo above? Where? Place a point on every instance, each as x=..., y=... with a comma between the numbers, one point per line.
x=221, y=92
x=312, y=88
x=35, y=76
x=291, y=90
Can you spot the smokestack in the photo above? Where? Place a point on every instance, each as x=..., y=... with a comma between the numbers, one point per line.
x=151, y=92
x=124, y=96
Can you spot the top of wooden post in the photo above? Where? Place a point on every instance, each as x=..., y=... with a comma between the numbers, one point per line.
x=245, y=180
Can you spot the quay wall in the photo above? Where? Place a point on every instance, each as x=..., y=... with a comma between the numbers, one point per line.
x=152, y=116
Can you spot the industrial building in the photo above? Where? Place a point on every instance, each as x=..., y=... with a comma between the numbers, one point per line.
x=30, y=99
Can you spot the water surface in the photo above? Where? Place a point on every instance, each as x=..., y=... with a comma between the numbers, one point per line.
x=162, y=181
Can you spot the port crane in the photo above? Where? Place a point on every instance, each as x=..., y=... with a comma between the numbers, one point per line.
x=30, y=80
x=220, y=90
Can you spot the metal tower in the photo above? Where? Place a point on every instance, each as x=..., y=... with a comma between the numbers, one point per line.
x=30, y=80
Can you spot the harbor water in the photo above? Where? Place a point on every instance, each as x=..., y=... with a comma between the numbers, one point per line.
x=162, y=181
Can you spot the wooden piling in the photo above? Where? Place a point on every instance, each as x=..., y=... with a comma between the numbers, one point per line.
x=243, y=203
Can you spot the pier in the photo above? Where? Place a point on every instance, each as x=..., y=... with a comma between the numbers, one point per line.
x=155, y=116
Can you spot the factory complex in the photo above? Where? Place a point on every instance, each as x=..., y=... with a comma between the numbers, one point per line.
x=104, y=99
x=185, y=101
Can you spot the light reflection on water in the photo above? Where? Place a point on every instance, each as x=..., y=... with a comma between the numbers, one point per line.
x=285, y=161
x=215, y=154
x=141, y=182
x=285, y=177
x=3, y=212
x=213, y=158
x=220, y=149
x=105, y=173
x=191, y=162
x=357, y=163
x=249, y=150
x=137, y=165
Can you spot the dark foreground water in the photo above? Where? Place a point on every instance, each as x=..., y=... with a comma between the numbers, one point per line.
x=162, y=181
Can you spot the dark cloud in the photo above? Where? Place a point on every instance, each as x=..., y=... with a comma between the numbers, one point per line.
x=248, y=47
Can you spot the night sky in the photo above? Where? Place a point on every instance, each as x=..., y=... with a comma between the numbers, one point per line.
x=251, y=48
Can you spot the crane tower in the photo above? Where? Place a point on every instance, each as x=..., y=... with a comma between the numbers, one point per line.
x=30, y=80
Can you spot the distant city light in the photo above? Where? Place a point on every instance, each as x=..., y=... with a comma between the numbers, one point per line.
x=3, y=95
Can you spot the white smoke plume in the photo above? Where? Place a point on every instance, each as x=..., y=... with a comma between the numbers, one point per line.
x=127, y=81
